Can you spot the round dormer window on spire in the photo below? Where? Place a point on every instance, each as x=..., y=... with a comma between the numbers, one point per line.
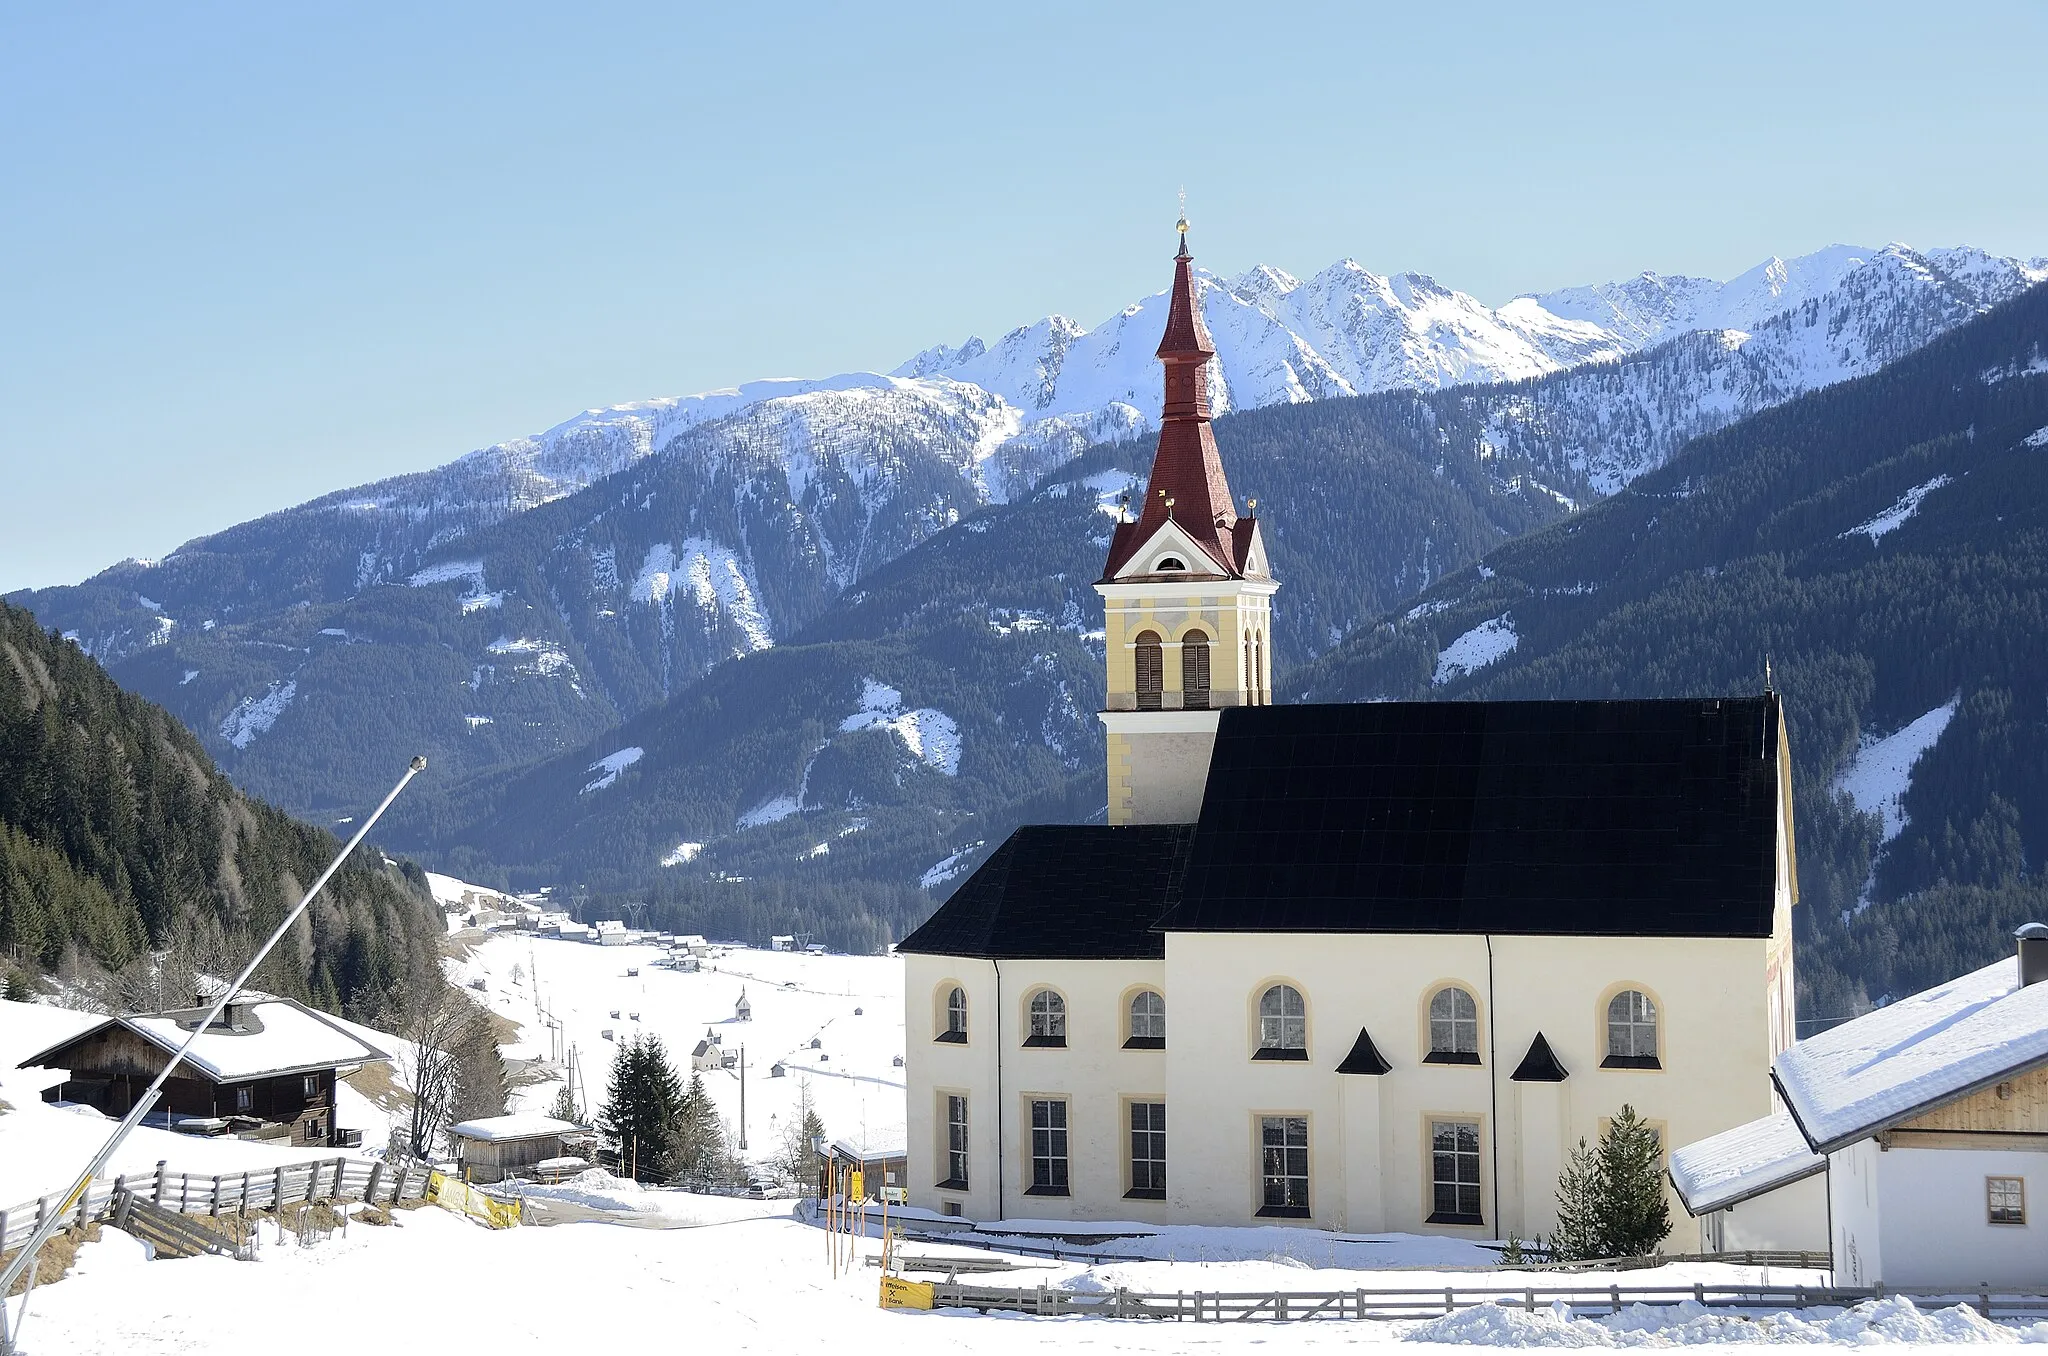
x=1167, y=564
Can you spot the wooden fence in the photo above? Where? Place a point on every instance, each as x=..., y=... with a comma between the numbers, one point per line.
x=1054, y=1249
x=231, y=1193
x=1210, y=1306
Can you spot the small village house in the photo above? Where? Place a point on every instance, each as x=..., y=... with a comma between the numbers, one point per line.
x=1924, y=1127
x=496, y=1147
x=266, y=1069
x=743, y=1011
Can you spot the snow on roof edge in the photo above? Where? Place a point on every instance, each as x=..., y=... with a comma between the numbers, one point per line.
x=1940, y=1045
x=1742, y=1163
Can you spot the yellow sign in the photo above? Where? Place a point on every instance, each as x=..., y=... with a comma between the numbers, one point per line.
x=858, y=1190
x=898, y=1293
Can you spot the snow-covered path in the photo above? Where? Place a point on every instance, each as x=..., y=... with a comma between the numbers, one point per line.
x=439, y=1283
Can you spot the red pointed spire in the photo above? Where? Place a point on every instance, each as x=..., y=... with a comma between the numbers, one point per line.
x=1186, y=469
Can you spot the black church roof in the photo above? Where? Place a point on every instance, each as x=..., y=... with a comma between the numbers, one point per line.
x=1073, y=891
x=1617, y=818
x=1621, y=818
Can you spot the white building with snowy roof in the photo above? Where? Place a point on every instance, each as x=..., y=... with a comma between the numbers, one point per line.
x=1927, y=1120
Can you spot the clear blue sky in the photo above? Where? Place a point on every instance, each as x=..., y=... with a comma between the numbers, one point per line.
x=249, y=255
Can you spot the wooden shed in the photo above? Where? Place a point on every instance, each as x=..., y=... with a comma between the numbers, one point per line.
x=496, y=1147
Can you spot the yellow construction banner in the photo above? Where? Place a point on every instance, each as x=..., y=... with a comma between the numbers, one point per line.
x=898, y=1293
x=464, y=1199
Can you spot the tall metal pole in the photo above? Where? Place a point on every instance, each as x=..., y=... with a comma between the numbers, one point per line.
x=743, y=1097
x=22, y=1259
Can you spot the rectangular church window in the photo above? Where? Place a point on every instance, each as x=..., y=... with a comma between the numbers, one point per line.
x=1454, y=1170
x=1048, y=1147
x=1148, y=1151
x=1283, y=1167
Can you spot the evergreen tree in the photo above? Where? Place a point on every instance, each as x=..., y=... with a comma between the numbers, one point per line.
x=1577, y=1234
x=564, y=1108
x=18, y=989
x=1610, y=1198
x=1634, y=1216
x=643, y=1108
x=700, y=1139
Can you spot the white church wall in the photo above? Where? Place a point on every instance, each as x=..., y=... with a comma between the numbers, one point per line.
x=1714, y=1042
x=1093, y=1074
x=936, y=1069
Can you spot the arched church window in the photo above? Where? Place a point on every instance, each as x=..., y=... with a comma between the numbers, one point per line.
x=1283, y=1024
x=1259, y=668
x=1194, y=671
x=1631, y=1031
x=1048, y=1019
x=1148, y=1021
x=1151, y=670
x=1453, y=1027
x=1168, y=564
x=1248, y=697
x=956, y=1016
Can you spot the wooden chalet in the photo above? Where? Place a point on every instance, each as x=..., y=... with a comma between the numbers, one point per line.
x=266, y=1069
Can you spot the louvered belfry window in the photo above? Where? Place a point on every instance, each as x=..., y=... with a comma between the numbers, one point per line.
x=1151, y=671
x=1194, y=671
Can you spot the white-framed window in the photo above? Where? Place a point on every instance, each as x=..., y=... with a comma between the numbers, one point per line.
x=1283, y=1166
x=1148, y=1021
x=312, y=1085
x=1048, y=1019
x=956, y=1142
x=1454, y=1172
x=1283, y=1024
x=1631, y=1031
x=1453, y=1027
x=955, y=1032
x=1048, y=1147
x=2005, y=1200
x=1168, y=564
x=1148, y=1150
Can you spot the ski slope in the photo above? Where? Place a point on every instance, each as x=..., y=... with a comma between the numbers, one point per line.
x=856, y=1086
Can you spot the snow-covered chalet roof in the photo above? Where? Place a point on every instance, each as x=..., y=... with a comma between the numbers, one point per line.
x=523, y=1126
x=1910, y=1056
x=1731, y=1167
x=272, y=1036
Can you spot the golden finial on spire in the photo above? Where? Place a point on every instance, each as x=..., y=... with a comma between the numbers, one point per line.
x=1182, y=224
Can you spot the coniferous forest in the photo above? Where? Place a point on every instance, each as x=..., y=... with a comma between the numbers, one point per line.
x=129, y=864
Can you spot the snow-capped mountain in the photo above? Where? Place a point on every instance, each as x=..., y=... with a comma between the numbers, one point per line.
x=534, y=593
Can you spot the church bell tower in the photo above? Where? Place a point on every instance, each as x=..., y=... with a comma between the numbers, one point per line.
x=1187, y=596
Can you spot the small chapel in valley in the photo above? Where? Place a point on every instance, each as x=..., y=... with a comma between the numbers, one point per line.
x=1366, y=967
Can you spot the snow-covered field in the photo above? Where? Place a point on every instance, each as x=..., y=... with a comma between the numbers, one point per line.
x=852, y=1006
x=730, y=1283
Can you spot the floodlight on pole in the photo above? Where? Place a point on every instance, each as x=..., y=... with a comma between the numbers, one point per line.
x=25, y=1259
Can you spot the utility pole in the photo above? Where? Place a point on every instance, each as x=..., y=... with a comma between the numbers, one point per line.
x=743, y=1098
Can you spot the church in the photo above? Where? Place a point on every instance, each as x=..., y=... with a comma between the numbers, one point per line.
x=1365, y=967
